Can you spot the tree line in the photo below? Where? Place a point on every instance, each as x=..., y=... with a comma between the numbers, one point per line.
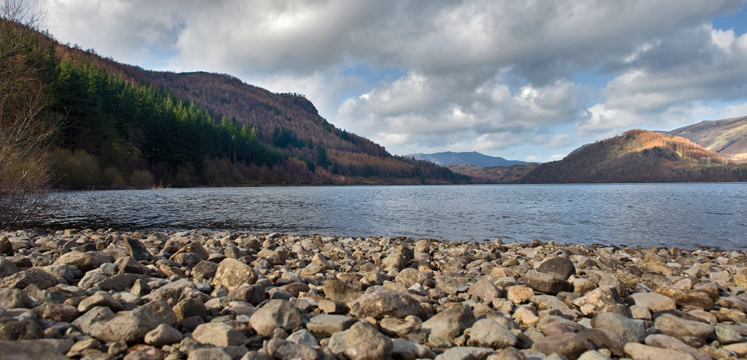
x=75, y=120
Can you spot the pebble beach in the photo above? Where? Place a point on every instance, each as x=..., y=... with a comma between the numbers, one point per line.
x=106, y=294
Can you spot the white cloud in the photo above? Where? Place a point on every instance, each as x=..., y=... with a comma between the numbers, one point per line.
x=479, y=74
x=673, y=84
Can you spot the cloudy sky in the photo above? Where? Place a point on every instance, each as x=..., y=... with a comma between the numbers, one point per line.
x=525, y=80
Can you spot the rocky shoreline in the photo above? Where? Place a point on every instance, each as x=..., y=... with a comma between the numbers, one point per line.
x=105, y=294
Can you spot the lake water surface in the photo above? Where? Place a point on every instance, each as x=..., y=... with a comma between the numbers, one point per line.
x=683, y=215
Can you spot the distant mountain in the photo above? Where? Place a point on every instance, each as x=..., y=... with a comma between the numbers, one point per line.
x=726, y=137
x=639, y=156
x=464, y=158
x=494, y=174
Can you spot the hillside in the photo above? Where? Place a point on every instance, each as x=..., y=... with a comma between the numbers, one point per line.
x=464, y=158
x=726, y=137
x=121, y=126
x=639, y=156
x=494, y=174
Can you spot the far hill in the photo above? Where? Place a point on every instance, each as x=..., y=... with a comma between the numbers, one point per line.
x=464, y=158
x=494, y=174
x=639, y=156
x=726, y=137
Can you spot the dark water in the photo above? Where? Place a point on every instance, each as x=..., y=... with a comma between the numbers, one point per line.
x=683, y=215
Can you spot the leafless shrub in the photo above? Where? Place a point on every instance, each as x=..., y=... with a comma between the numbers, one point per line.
x=24, y=132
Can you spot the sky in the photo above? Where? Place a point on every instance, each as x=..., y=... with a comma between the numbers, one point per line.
x=525, y=80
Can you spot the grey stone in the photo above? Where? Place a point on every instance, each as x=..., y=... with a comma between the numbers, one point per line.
x=232, y=273
x=364, y=342
x=81, y=260
x=599, y=300
x=654, y=302
x=33, y=276
x=284, y=349
x=484, y=290
x=569, y=345
x=133, y=325
x=253, y=294
x=490, y=334
x=30, y=350
x=593, y=355
x=668, y=342
x=209, y=354
x=727, y=335
x=546, y=283
x=219, y=334
x=129, y=265
x=118, y=282
x=136, y=249
x=450, y=323
x=336, y=290
x=400, y=327
x=190, y=307
x=276, y=314
x=303, y=337
x=679, y=328
x=632, y=330
x=465, y=353
x=100, y=298
x=57, y=312
x=380, y=302
x=645, y=352
x=408, y=350
x=452, y=285
x=94, y=315
x=326, y=325
x=561, y=268
x=204, y=270
x=163, y=335
x=7, y=268
x=13, y=298
x=24, y=329
x=6, y=247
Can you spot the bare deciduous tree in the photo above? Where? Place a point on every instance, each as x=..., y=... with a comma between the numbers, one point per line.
x=24, y=132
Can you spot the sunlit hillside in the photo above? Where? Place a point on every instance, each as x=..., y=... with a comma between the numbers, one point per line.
x=639, y=156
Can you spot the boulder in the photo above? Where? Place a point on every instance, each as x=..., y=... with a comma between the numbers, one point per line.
x=546, y=283
x=490, y=334
x=276, y=314
x=364, y=342
x=378, y=302
x=450, y=323
x=560, y=268
x=232, y=273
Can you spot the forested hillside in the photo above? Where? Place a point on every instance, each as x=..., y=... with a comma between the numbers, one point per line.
x=121, y=126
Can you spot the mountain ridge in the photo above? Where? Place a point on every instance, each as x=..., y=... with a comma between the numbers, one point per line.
x=473, y=158
x=727, y=137
x=639, y=156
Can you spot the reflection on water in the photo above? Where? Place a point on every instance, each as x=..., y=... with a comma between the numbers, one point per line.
x=683, y=215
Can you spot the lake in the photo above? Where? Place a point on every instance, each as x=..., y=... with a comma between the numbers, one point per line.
x=682, y=215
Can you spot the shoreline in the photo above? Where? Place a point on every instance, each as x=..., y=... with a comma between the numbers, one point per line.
x=190, y=295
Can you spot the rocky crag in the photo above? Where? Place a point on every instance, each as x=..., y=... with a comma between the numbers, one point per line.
x=87, y=294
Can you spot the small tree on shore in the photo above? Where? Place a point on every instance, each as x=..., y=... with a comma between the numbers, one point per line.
x=24, y=130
